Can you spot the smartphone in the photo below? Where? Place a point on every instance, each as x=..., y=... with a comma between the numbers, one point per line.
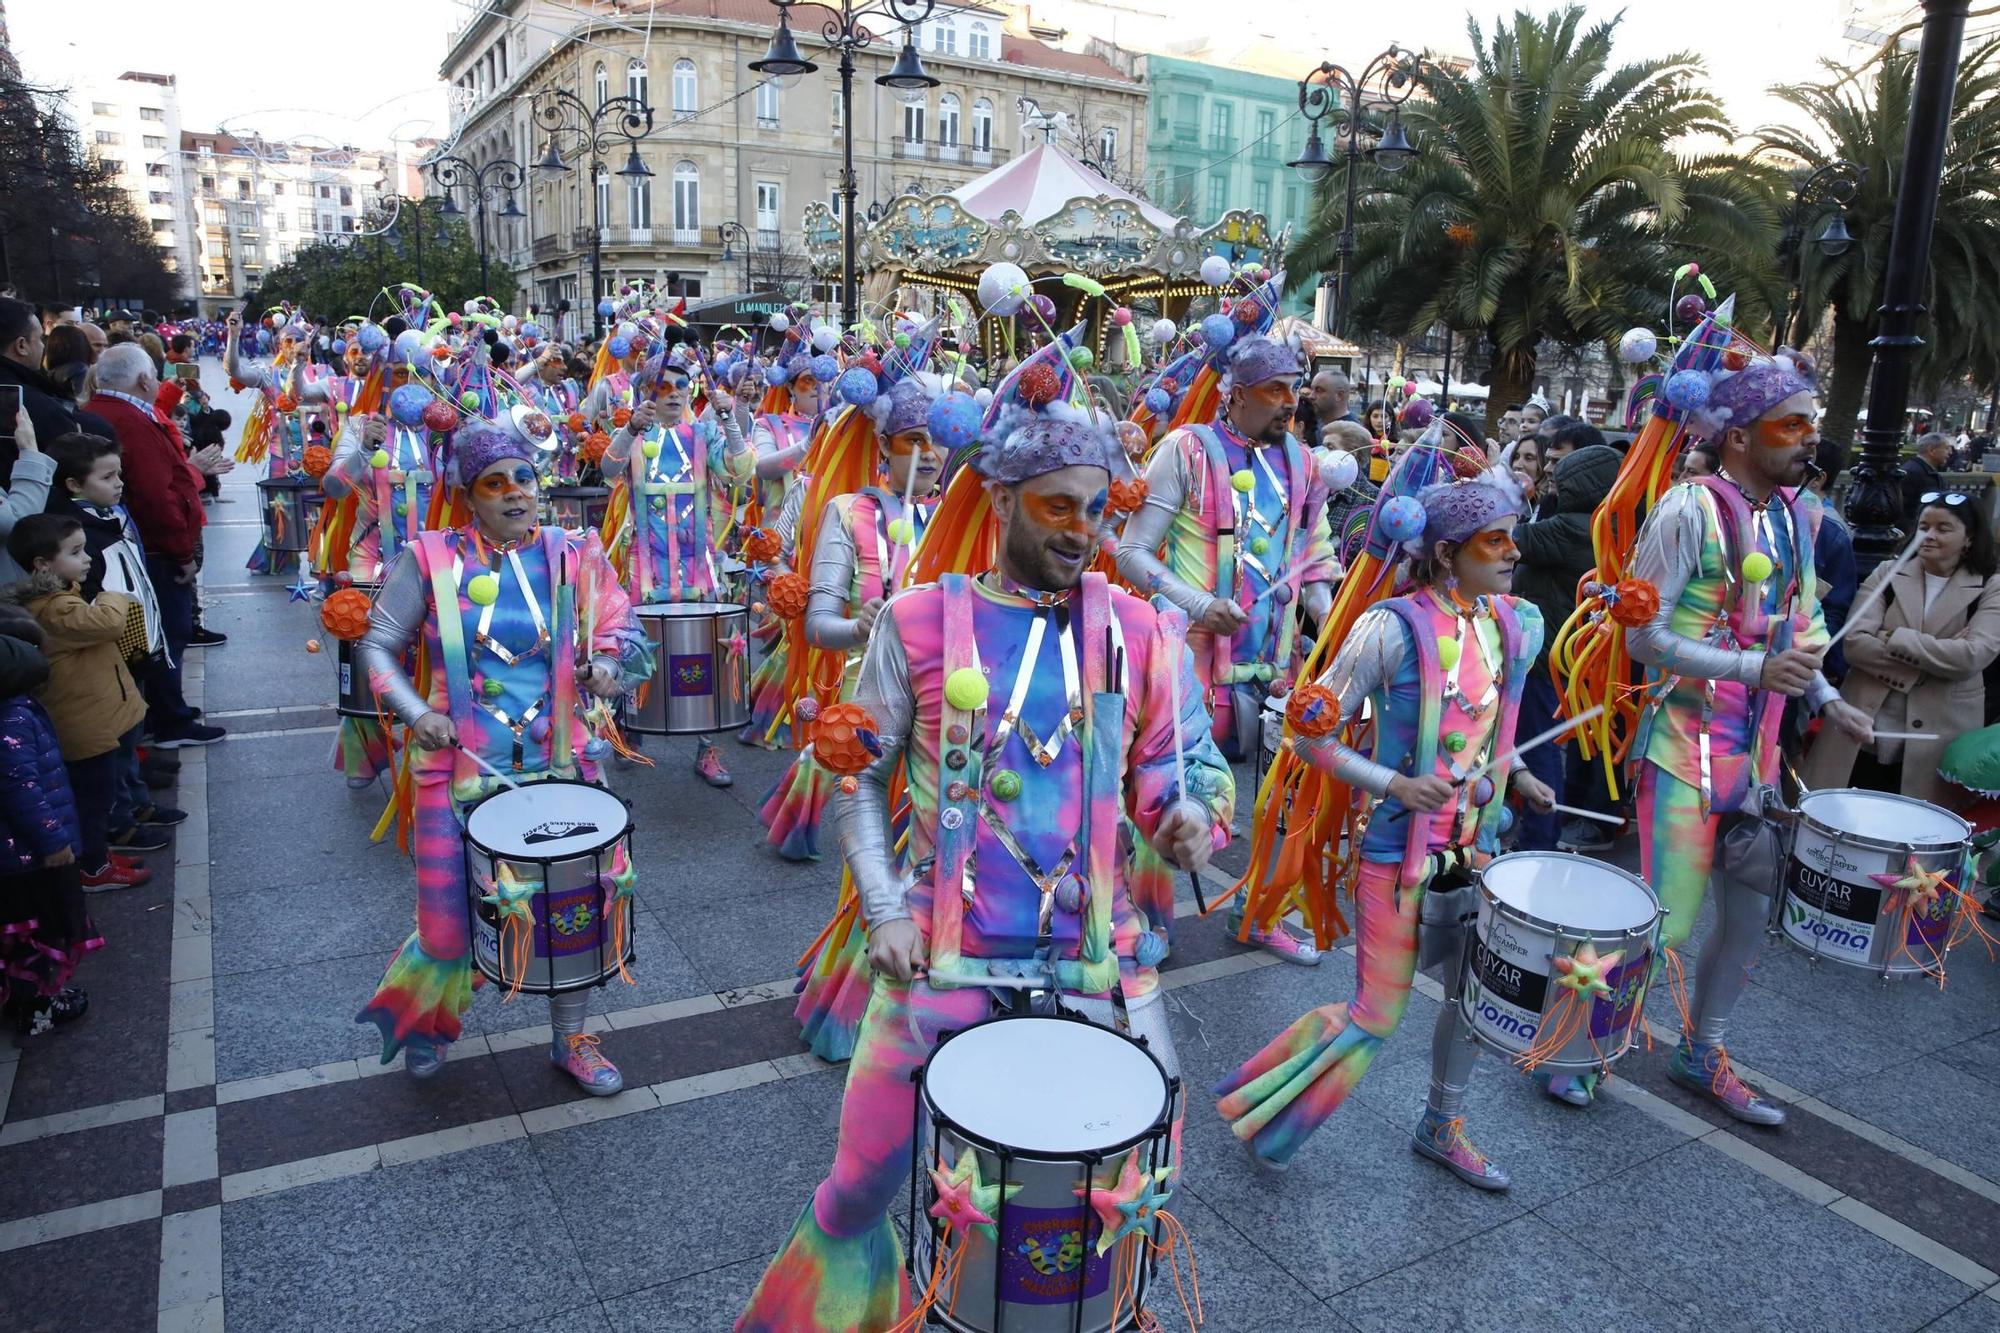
x=10, y=408
x=187, y=370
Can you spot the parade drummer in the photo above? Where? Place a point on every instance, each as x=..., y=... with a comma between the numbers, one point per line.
x=1443, y=667
x=1032, y=708
x=524, y=626
x=1233, y=532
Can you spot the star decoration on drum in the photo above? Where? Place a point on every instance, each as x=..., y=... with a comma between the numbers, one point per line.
x=511, y=900
x=1585, y=970
x=1919, y=888
x=964, y=1199
x=1128, y=1205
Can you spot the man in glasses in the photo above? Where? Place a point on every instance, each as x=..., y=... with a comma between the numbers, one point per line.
x=1923, y=471
x=1234, y=532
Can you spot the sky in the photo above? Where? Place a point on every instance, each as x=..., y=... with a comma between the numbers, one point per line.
x=371, y=72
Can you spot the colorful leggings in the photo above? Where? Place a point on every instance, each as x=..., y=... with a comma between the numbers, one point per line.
x=1278, y=1097
x=1676, y=856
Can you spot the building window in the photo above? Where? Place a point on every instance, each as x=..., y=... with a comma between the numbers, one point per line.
x=347, y=224
x=838, y=201
x=1291, y=201
x=325, y=191
x=208, y=185
x=839, y=114
x=207, y=150
x=112, y=166
x=347, y=196
x=305, y=220
x=767, y=208
x=158, y=170
x=603, y=201
x=159, y=197
x=913, y=122
x=1222, y=125
x=155, y=141
x=601, y=80
x=163, y=224
x=767, y=105
x=944, y=39
x=685, y=91
x=982, y=126
x=1218, y=196
x=242, y=189
x=1260, y=197
x=687, y=197
x=103, y=109
x=1107, y=147
x=978, y=44
x=110, y=138
x=277, y=188
x=635, y=80
x=639, y=200
x=152, y=113
x=947, y=123
x=1267, y=129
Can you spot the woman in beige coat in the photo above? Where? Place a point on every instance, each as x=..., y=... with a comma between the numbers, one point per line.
x=1916, y=657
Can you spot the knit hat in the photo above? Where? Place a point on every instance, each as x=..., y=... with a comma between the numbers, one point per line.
x=905, y=407
x=1741, y=398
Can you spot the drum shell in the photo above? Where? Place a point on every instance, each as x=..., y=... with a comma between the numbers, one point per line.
x=299, y=502
x=353, y=696
x=1031, y=1298
x=1831, y=908
x=575, y=507
x=699, y=684
x=562, y=959
x=1508, y=989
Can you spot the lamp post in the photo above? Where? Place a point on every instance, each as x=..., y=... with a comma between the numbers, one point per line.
x=844, y=32
x=1332, y=93
x=1875, y=503
x=393, y=233
x=1835, y=183
x=451, y=171
x=736, y=232
x=562, y=114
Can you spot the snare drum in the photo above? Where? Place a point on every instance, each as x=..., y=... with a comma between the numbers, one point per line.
x=354, y=697
x=1832, y=906
x=539, y=861
x=1055, y=1106
x=1536, y=908
x=290, y=506
x=701, y=678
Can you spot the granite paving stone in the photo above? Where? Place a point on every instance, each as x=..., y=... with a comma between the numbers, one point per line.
x=1979, y=1057
x=295, y=1017
x=730, y=951
x=63, y=1170
x=1978, y=1314
x=1932, y=1104
x=105, y=1281
x=703, y=1302
x=293, y=923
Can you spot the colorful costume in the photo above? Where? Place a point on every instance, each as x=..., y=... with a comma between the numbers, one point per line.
x=502, y=631
x=274, y=433
x=1034, y=781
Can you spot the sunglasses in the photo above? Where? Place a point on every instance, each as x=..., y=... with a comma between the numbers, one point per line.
x=496, y=483
x=1949, y=499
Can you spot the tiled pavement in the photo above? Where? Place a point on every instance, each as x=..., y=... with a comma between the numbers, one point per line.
x=214, y=1140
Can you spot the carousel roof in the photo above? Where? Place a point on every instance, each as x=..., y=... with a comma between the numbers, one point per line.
x=1037, y=185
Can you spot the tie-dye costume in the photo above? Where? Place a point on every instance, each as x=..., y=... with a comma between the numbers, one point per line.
x=1709, y=737
x=1224, y=518
x=1429, y=718
x=557, y=401
x=274, y=431
x=770, y=727
x=674, y=485
x=1055, y=693
x=505, y=674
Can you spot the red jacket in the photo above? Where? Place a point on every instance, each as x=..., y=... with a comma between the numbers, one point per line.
x=161, y=489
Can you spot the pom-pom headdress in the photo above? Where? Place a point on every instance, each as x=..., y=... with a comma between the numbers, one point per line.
x=1252, y=310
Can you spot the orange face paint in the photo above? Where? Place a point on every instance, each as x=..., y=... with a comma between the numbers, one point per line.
x=904, y=443
x=1786, y=432
x=1061, y=513
x=1495, y=547
x=494, y=484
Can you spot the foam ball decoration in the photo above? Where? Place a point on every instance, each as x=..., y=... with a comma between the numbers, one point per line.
x=620, y=346
x=372, y=337
x=530, y=329
x=825, y=338
x=380, y=458
x=1158, y=402
x=1218, y=331
x=1163, y=331
x=263, y=341
x=965, y=689
x=858, y=386
x=1687, y=390
x=954, y=421
x=441, y=352
x=844, y=738
x=1044, y=308
x=984, y=397
x=902, y=340
x=1735, y=359
x=1400, y=519
x=1448, y=651
x=762, y=546
x=1149, y=950
x=1127, y=496
x=1636, y=345
x=825, y=368
x=1244, y=481
x=1637, y=602
x=345, y=614
x=1080, y=358
x=651, y=448
x=1757, y=567
x=441, y=416
x=806, y=709
x=1337, y=470
x=1482, y=791
x=510, y=322
x=469, y=400
x=407, y=404
x=1121, y=316
x=902, y=531
x=787, y=595
x=1215, y=271
x=340, y=347
x=1409, y=388
x=621, y=416
x=482, y=589
x=287, y=403
x=1038, y=385
x=340, y=409
x=606, y=309
x=312, y=645
x=1313, y=710
x=594, y=445
x=1690, y=308
x=1418, y=413
x=775, y=375
x=409, y=346
x=575, y=421
x=1003, y=288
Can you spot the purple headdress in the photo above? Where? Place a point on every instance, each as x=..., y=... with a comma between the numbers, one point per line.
x=479, y=446
x=1023, y=445
x=1255, y=360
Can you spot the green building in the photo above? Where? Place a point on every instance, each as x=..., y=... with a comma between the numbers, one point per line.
x=1218, y=138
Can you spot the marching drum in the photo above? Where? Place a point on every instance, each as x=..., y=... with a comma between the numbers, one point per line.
x=702, y=682
x=1833, y=906
x=538, y=865
x=1545, y=919
x=1054, y=1107
x=290, y=506
x=354, y=697
x=573, y=507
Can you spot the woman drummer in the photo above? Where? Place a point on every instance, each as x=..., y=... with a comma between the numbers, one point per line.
x=1443, y=666
x=532, y=622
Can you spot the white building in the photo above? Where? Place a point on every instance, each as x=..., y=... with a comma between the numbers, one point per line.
x=133, y=126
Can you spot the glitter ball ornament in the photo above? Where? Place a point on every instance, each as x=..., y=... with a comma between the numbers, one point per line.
x=312, y=645
x=1038, y=385
x=441, y=416
x=806, y=709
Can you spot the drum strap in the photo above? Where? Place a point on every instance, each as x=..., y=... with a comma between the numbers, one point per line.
x=442, y=562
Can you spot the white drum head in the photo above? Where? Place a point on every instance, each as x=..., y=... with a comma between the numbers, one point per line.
x=1884, y=816
x=1570, y=891
x=547, y=821
x=1046, y=1085
x=685, y=610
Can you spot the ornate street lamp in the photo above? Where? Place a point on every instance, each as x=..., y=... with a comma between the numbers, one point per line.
x=1836, y=184
x=451, y=171
x=561, y=114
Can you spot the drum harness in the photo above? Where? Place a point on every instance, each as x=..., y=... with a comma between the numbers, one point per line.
x=483, y=637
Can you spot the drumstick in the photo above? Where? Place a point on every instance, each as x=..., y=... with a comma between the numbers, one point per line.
x=1560, y=808
x=1854, y=612
x=1553, y=733
x=1175, y=623
x=476, y=758
x=1906, y=735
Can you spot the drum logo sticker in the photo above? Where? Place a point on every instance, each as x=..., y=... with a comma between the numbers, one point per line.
x=346, y=679
x=572, y=919
x=555, y=830
x=1612, y=1015
x=1824, y=913
x=1041, y=1256
x=690, y=675
x=1510, y=994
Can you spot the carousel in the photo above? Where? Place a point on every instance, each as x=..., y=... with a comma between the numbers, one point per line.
x=1051, y=215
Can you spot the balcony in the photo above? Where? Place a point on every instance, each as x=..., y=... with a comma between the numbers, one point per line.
x=546, y=246
x=767, y=122
x=948, y=152
x=1186, y=134
x=915, y=149
x=687, y=236
x=634, y=235
x=582, y=237
x=986, y=157
x=767, y=236
x=1221, y=143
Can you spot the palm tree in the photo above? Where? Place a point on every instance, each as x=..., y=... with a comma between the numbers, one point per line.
x=1863, y=115
x=1547, y=201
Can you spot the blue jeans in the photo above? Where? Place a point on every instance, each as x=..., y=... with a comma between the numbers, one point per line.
x=1535, y=831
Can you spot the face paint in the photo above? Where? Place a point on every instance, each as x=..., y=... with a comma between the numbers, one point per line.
x=496, y=482
x=1061, y=513
x=1494, y=547
x=1786, y=432
x=904, y=443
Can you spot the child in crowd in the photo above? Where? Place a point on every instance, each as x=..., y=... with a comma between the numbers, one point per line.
x=44, y=928
x=90, y=695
